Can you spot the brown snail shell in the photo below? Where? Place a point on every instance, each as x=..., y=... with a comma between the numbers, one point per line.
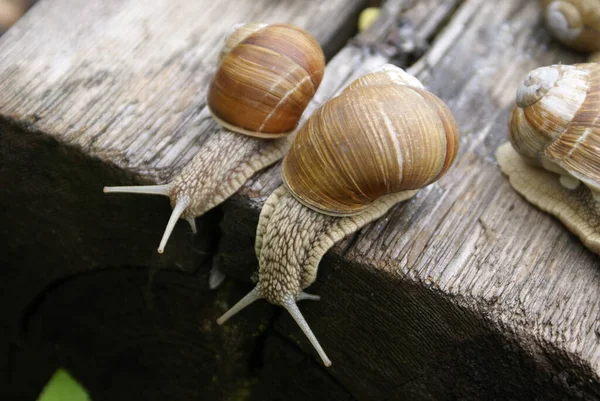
x=266, y=80
x=576, y=23
x=377, y=137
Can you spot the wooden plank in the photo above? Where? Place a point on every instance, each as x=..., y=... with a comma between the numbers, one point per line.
x=466, y=291
x=112, y=92
x=496, y=332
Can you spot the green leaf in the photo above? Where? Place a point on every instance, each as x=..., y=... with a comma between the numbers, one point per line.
x=62, y=387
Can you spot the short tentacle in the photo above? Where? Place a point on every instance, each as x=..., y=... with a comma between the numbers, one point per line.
x=215, y=278
x=310, y=297
x=192, y=222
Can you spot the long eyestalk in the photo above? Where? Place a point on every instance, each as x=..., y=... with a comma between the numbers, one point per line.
x=252, y=296
x=292, y=308
x=180, y=206
x=165, y=190
x=143, y=189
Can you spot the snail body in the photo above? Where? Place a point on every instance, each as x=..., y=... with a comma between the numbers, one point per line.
x=576, y=23
x=266, y=77
x=555, y=127
x=374, y=145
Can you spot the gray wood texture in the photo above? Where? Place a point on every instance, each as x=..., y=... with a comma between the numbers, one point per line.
x=108, y=93
x=465, y=292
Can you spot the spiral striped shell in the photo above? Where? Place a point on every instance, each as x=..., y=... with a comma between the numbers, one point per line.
x=383, y=134
x=576, y=23
x=556, y=122
x=265, y=80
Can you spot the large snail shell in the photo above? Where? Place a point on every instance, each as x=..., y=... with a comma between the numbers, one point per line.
x=266, y=80
x=556, y=122
x=379, y=136
x=576, y=23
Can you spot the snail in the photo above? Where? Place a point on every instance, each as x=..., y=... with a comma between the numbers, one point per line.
x=554, y=134
x=265, y=79
x=576, y=23
x=374, y=145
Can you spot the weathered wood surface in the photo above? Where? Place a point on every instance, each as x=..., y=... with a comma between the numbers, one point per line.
x=467, y=291
x=109, y=93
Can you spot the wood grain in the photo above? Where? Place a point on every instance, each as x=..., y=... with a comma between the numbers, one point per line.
x=108, y=93
x=467, y=291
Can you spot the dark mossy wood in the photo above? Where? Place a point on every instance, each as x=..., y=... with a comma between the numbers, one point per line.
x=127, y=333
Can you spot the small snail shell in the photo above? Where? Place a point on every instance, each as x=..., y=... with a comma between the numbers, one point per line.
x=362, y=152
x=267, y=77
x=576, y=23
x=266, y=80
x=555, y=125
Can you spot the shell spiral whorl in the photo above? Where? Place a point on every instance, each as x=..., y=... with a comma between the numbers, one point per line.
x=383, y=134
x=536, y=85
x=576, y=23
x=238, y=34
x=267, y=77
